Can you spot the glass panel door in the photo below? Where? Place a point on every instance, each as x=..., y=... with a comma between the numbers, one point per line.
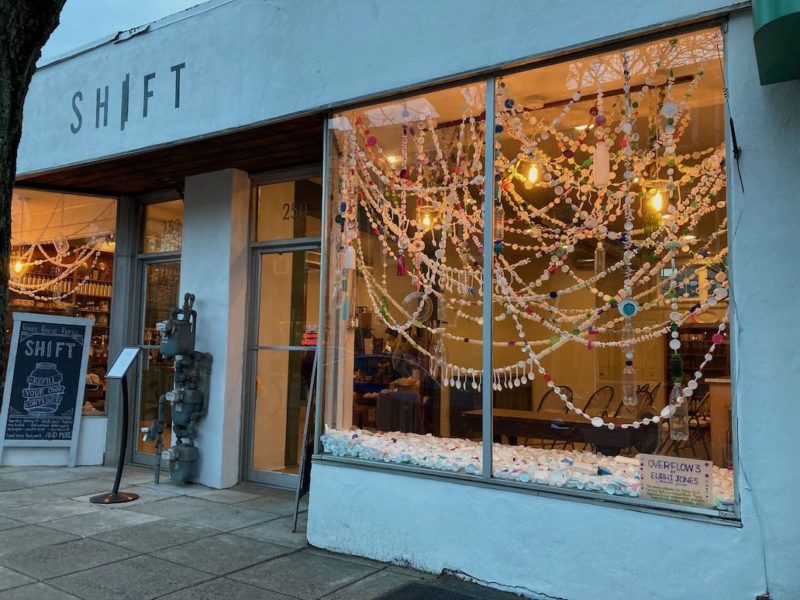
x=159, y=293
x=281, y=355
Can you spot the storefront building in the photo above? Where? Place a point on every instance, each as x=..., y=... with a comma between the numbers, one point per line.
x=318, y=175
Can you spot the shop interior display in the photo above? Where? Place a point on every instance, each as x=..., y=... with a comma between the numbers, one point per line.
x=553, y=467
x=64, y=265
x=608, y=237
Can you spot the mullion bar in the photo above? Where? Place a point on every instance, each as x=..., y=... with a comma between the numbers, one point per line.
x=323, y=288
x=288, y=348
x=488, y=257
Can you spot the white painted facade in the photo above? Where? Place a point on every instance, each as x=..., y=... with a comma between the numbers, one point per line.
x=249, y=62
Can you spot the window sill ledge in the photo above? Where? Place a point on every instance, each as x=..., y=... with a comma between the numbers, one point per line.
x=705, y=515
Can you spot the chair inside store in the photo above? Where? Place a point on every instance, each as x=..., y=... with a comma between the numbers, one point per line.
x=600, y=401
x=551, y=403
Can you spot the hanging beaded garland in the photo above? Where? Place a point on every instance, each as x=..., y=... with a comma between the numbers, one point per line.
x=617, y=185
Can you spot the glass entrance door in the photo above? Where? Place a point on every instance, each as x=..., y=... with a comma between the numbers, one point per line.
x=280, y=360
x=159, y=293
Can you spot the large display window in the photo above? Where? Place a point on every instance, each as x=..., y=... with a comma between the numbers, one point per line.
x=610, y=368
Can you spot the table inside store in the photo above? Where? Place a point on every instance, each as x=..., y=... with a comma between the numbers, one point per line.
x=516, y=424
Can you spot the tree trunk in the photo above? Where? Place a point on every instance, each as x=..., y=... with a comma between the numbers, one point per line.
x=25, y=26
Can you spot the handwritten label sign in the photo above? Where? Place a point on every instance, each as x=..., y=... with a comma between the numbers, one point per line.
x=44, y=386
x=677, y=480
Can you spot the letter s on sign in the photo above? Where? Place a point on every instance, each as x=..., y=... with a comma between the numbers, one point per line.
x=76, y=127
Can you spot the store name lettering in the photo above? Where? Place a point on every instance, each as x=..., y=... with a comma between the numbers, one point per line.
x=102, y=99
x=49, y=349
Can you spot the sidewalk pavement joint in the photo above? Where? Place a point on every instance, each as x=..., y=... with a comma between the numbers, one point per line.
x=175, y=543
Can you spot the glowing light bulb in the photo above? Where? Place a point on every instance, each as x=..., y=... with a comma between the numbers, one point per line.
x=533, y=174
x=18, y=266
x=391, y=159
x=657, y=201
x=426, y=220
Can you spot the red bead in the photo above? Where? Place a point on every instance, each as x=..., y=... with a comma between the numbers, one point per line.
x=717, y=338
x=547, y=377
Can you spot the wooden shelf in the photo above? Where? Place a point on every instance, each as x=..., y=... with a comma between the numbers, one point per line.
x=719, y=366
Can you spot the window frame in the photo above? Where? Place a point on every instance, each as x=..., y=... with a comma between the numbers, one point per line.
x=489, y=77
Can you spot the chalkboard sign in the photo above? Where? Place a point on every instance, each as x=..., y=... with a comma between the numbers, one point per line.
x=43, y=393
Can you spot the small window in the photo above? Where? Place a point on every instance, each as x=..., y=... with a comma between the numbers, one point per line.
x=163, y=227
x=288, y=210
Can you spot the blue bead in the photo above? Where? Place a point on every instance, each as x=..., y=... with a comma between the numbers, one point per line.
x=498, y=128
x=554, y=294
x=509, y=103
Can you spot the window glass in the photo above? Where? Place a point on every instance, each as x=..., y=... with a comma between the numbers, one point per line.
x=610, y=260
x=289, y=209
x=403, y=332
x=160, y=294
x=288, y=298
x=163, y=227
x=62, y=263
x=610, y=370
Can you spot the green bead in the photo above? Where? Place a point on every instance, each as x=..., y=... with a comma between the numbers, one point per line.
x=675, y=367
x=554, y=339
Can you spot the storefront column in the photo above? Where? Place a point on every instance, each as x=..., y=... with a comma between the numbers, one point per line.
x=214, y=268
x=123, y=312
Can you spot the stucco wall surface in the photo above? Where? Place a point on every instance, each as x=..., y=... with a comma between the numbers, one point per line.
x=249, y=61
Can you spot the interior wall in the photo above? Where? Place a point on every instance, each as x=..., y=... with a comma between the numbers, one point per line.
x=39, y=216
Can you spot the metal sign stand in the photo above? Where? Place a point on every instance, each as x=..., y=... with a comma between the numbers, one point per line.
x=304, y=479
x=119, y=371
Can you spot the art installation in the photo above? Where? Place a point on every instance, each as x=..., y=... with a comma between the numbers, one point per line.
x=601, y=178
x=560, y=468
x=72, y=263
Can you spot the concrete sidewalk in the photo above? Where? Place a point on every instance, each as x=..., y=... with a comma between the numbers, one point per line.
x=178, y=543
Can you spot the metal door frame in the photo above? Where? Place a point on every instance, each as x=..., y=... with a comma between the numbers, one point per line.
x=142, y=262
x=257, y=251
